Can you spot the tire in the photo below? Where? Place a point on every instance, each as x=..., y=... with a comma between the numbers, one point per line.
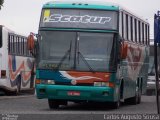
x=136, y=99
x=18, y=85
x=116, y=105
x=139, y=97
x=53, y=104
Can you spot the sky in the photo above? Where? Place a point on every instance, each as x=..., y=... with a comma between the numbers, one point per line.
x=22, y=16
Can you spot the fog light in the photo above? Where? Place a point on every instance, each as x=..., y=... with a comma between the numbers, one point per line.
x=105, y=93
x=74, y=82
x=42, y=91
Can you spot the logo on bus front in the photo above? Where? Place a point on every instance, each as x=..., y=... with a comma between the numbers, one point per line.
x=77, y=19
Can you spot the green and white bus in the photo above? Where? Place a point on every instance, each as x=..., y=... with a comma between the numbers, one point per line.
x=90, y=51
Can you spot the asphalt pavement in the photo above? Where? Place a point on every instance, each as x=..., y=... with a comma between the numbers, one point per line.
x=28, y=106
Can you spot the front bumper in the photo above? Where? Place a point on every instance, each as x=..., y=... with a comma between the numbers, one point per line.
x=87, y=93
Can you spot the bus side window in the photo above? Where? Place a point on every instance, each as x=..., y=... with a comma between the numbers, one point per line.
x=120, y=23
x=139, y=31
x=132, y=29
x=146, y=34
x=9, y=44
x=143, y=34
x=135, y=30
x=127, y=28
x=0, y=36
x=0, y=42
x=124, y=26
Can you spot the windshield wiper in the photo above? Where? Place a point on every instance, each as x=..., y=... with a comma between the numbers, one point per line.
x=81, y=55
x=85, y=61
x=68, y=52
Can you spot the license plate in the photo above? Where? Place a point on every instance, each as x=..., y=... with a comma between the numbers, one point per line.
x=73, y=93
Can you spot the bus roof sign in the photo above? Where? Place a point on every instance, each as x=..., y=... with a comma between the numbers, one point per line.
x=81, y=19
x=76, y=18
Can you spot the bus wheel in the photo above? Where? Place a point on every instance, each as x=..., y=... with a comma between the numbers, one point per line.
x=116, y=104
x=136, y=99
x=139, y=96
x=53, y=104
x=18, y=85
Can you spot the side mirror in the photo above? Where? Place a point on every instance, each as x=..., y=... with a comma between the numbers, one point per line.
x=124, y=50
x=30, y=42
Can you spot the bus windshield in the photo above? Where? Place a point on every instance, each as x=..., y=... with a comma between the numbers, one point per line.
x=81, y=51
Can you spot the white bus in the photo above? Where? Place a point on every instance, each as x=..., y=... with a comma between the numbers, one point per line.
x=16, y=63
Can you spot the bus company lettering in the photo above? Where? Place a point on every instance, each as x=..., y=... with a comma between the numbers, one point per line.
x=77, y=19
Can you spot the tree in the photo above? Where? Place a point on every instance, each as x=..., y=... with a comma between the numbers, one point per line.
x=1, y=3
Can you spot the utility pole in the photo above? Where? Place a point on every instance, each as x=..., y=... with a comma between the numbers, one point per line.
x=156, y=42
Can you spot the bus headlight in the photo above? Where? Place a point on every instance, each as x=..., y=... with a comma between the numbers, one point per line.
x=45, y=81
x=104, y=84
x=50, y=81
x=98, y=84
x=101, y=84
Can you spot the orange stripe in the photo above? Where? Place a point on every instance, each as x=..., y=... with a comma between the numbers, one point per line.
x=103, y=76
x=20, y=68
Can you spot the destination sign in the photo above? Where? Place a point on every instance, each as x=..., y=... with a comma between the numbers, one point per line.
x=80, y=19
x=75, y=18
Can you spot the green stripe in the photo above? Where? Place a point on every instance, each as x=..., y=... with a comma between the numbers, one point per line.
x=97, y=7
